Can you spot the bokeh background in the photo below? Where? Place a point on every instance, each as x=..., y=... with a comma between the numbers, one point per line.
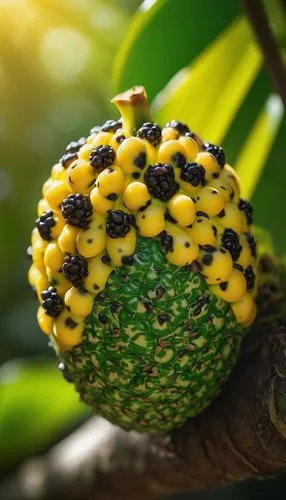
x=56, y=81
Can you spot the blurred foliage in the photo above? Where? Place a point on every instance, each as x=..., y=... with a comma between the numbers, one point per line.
x=200, y=64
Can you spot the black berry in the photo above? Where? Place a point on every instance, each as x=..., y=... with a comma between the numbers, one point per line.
x=151, y=132
x=194, y=174
x=247, y=208
x=250, y=277
x=74, y=146
x=217, y=152
x=160, y=180
x=68, y=158
x=252, y=244
x=77, y=210
x=101, y=157
x=118, y=224
x=52, y=302
x=230, y=241
x=111, y=125
x=44, y=223
x=181, y=128
x=75, y=269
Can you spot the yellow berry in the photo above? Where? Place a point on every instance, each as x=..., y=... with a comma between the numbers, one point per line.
x=209, y=201
x=110, y=181
x=57, y=229
x=80, y=176
x=55, y=193
x=43, y=206
x=151, y=221
x=67, y=239
x=183, y=209
x=68, y=330
x=223, y=187
x=216, y=264
x=136, y=195
x=117, y=248
x=244, y=309
x=190, y=146
x=58, y=280
x=46, y=186
x=101, y=138
x=41, y=284
x=33, y=275
x=100, y=203
x=203, y=231
x=151, y=153
x=45, y=321
x=184, y=250
x=84, y=152
x=209, y=163
x=131, y=155
x=54, y=257
x=38, y=251
x=79, y=301
x=118, y=138
x=98, y=274
x=58, y=172
x=169, y=133
x=233, y=289
x=92, y=241
x=173, y=153
x=229, y=175
x=231, y=217
x=248, y=323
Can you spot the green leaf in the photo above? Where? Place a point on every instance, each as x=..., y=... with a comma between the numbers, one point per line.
x=36, y=403
x=208, y=99
x=167, y=35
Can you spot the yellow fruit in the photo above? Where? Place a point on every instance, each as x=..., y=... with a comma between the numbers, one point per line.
x=118, y=138
x=101, y=138
x=183, y=209
x=78, y=301
x=151, y=221
x=169, y=133
x=191, y=146
x=98, y=274
x=55, y=194
x=54, y=256
x=223, y=187
x=216, y=264
x=233, y=289
x=136, y=195
x=173, y=153
x=45, y=321
x=81, y=177
x=131, y=155
x=209, y=163
x=58, y=172
x=84, y=152
x=110, y=181
x=41, y=284
x=58, y=280
x=67, y=239
x=57, y=229
x=100, y=203
x=184, y=250
x=231, y=217
x=92, y=241
x=210, y=201
x=38, y=251
x=43, y=206
x=117, y=248
x=244, y=309
x=68, y=330
x=245, y=258
x=203, y=231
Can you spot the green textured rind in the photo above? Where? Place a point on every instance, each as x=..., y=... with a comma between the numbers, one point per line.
x=140, y=374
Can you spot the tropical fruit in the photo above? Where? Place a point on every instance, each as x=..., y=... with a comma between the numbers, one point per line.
x=144, y=264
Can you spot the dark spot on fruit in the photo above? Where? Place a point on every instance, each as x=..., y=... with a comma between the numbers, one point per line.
x=221, y=214
x=70, y=323
x=163, y=318
x=112, y=197
x=135, y=175
x=207, y=259
x=223, y=286
x=187, y=244
x=140, y=160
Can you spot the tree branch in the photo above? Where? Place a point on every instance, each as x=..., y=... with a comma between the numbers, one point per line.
x=272, y=55
x=241, y=435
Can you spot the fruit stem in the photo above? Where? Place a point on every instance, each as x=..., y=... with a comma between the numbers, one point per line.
x=133, y=107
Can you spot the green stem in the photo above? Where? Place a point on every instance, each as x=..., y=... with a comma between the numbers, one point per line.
x=133, y=107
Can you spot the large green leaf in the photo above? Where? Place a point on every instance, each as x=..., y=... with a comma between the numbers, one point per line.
x=35, y=404
x=167, y=35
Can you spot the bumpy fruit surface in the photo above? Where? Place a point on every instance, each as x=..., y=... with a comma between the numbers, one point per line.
x=144, y=264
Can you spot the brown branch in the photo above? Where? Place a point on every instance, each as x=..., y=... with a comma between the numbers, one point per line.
x=241, y=435
x=272, y=55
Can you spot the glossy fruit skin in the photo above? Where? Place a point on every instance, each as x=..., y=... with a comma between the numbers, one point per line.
x=149, y=251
